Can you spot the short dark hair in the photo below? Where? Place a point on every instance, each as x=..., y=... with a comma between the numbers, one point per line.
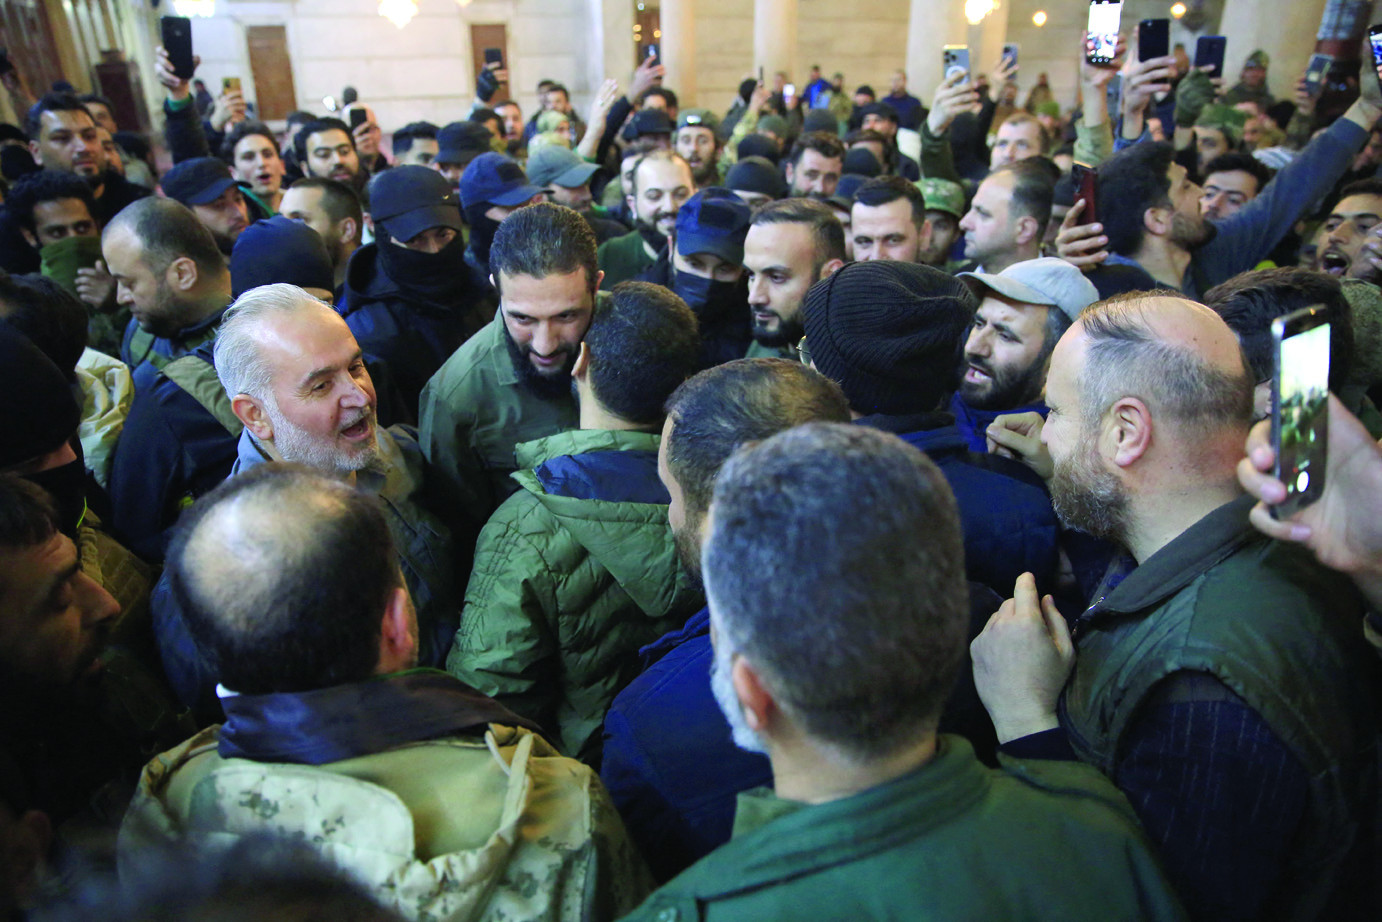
x=99, y=100
x=1027, y=118
x=1130, y=182
x=657, y=153
x=284, y=573
x=1237, y=161
x=668, y=96
x=1251, y=301
x=403, y=138
x=339, y=199
x=33, y=189
x=856, y=623
x=50, y=315
x=480, y=116
x=554, y=88
x=1362, y=187
x=299, y=117
x=52, y=102
x=827, y=232
x=542, y=240
x=822, y=142
x=28, y=516
x=862, y=135
x=315, y=126
x=242, y=131
x=1034, y=189
x=741, y=401
x=168, y=230
x=643, y=343
x=880, y=190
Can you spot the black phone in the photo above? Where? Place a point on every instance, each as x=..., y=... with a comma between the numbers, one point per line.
x=1101, y=36
x=1300, y=405
x=494, y=56
x=1010, y=56
x=358, y=117
x=1153, y=39
x=1086, y=182
x=1375, y=43
x=1318, y=68
x=177, y=41
x=1209, y=52
x=955, y=59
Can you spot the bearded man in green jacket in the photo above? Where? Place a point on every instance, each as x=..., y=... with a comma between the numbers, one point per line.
x=834, y=568
x=578, y=569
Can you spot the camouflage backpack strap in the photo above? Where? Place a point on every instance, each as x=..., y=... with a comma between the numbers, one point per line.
x=198, y=378
x=142, y=349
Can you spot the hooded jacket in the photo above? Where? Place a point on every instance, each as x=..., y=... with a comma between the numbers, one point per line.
x=411, y=328
x=572, y=575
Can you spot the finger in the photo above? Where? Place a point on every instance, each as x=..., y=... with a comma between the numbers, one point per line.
x=1008, y=439
x=1082, y=246
x=1262, y=520
x=1086, y=262
x=1057, y=627
x=1025, y=599
x=1075, y=211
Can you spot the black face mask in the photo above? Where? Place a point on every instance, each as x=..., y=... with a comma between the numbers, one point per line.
x=708, y=298
x=67, y=485
x=438, y=277
x=482, y=231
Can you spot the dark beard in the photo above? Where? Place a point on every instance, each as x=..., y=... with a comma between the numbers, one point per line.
x=654, y=238
x=548, y=387
x=789, y=333
x=687, y=541
x=707, y=174
x=1005, y=390
x=1089, y=499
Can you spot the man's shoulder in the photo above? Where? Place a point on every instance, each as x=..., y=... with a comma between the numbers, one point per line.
x=471, y=365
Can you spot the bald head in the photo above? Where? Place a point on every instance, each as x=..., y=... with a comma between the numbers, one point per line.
x=284, y=574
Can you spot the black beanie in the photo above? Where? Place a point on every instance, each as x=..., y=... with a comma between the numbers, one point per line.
x=40, y=412
x=276, y=250
x=889, y=332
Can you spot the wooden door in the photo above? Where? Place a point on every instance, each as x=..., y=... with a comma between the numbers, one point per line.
x=491, y=35
x=275, y=95
x=28, y=40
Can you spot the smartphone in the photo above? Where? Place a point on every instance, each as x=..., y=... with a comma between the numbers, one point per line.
x=1086, y=181
x=230, y=84
x=653, y=52
x=1010, y=56
x=1209, y=52
x=494, y=56
x=1153, y=39
x=760, y=76
x=1375, y=43
x=1318, y=67
x=1300, y=405
x=358, y=116
x=789, y=90
x=177, y=41
x=955, y=58
x=1101, y=37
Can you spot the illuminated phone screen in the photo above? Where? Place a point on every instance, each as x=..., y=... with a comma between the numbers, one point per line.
x=1303, y=401
x=1104, y=21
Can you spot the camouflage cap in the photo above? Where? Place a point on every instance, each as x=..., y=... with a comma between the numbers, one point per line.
x=943, y=195
x=698, y=118
x=1258, y=58
x=1225, y=118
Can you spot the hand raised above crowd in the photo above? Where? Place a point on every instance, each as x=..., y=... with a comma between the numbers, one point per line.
x=955, y=95
x=177, y=87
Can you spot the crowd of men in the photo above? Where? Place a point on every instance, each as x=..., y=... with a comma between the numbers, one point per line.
x=801, y=510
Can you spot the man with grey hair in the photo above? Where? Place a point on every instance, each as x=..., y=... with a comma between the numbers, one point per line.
x=1219, y=679
x=296, y=379
x=863, y=784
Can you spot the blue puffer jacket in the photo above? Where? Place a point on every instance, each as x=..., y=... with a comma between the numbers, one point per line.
x=1005, y=511
x=973, y=423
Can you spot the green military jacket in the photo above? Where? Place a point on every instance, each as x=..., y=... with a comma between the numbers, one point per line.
x=567, y=588
x=759, y=351
x=952, y=840
x=623, y=258
x=1277, y=629
x=472, y=414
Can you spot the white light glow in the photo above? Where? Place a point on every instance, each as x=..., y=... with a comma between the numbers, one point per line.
x=398, y=12
x=976, y=10
x=203, y=9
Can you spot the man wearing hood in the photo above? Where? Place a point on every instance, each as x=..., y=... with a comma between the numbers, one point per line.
x=578, y=570
x=704, y=265
x=408, y=298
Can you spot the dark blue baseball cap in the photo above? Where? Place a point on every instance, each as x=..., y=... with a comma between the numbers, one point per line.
x=716, y=221
x=845, y=189
x=458, y=142
x=494, y=179
x=757, y=174
x=280, y=249
x=199, y=181
x=407, y=200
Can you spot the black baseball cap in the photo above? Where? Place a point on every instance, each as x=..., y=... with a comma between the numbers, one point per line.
x=407, y=200
x=460, y=142
x=496, y=180
x=199, y=181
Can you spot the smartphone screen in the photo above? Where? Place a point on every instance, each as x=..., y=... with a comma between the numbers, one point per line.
x=1010, y=55
x=956, y=60
x=1375, y=42
x=1300, y=405
x=789, y=90
x=1153, y=39
x=1105, y=17
x=358, y=116
x=230, y=84
x=1209, y=52
x=1317, y=68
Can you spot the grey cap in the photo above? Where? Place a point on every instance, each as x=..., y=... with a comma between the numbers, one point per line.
x=553, y=165
x=1046, y=281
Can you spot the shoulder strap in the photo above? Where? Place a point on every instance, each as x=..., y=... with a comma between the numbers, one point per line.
x=142, y=349
x=198, y=378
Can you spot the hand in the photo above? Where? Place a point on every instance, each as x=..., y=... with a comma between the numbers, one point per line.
x=366, y=135
x=760, y=97
x=94, y=285
x=1305, y=101
x=952, y=97
x=1005, y=72
x=1081, y=245
x=604, y=101
x=229, y=109
x=177, y=87
x=1369, y=90
x=1344, y=526
x=1142, y=80
x=1367, y=265
x=646, y=76
x=1022, y=660
x=1100, y=75
x=1018, y=436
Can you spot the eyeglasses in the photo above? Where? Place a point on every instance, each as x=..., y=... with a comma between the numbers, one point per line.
x=804, y=352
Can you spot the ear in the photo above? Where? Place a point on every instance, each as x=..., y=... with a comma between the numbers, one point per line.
x=581, y=366
x=398, y=631
x=181, y=274
x=1127, y=432
x=830, y=268
x=760, y=710
x=1026, y=229
x=29, y=237
x=927, y=231
x=33, y=152
x=790, y=173
x=256, y=419
x=350, y=230
x=1157, y=220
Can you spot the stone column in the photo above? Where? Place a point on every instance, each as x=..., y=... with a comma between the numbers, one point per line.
x=1286, y=32
x=933, y=24
x=775, y=40
x=678, y=46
